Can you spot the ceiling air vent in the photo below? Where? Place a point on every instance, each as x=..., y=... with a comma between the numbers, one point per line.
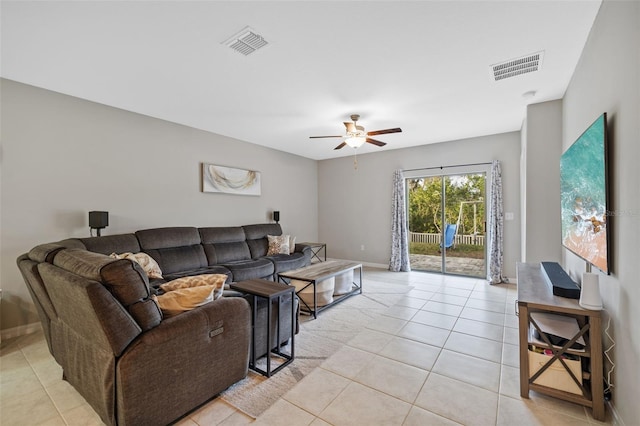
x=246, y=41
x=518, y=66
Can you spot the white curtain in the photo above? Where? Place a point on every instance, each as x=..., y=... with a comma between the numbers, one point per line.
x=494, y=233
x=399, y=229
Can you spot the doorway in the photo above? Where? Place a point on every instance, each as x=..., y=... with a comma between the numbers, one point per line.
x=447, y=223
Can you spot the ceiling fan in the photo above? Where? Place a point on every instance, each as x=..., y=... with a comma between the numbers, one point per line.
x=356, y=136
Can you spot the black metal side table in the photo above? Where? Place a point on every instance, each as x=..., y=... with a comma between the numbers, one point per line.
x=316, y=248
x=269, y=291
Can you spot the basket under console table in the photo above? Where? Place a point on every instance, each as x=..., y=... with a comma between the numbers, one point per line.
x=536, y=295
x=316, y=273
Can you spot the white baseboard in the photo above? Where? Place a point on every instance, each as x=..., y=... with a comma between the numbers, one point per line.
x=20, y=330
x=616, y=420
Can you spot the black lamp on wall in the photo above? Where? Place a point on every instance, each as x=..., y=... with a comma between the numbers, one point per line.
x=276, y=216
x=98, y=220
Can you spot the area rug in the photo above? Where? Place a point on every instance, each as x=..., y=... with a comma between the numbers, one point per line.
x=317, y=340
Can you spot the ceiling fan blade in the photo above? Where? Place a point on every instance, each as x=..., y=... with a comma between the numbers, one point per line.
x=316, y=137
x=351, y=127
x=375, y=142
x=340, y=146
x=384, y=132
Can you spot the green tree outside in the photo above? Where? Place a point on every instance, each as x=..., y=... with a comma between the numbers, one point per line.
x=425, y=205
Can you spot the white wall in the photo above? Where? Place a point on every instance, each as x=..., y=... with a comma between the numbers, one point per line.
x=523, y=191
x=63, y=156
x=607, y=79
x=355, y=205
x=542, y=141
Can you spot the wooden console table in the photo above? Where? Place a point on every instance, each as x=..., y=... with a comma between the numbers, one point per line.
x=535, y=295
x=269, y=291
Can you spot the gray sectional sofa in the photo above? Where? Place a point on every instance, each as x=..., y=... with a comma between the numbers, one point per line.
x=132, y=365
x=237, y=251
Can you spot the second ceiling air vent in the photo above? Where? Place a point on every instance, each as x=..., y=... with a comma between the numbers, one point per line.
x=246, y=41
x=517, y=66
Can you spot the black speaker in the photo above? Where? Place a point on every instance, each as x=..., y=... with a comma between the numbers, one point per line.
x=98, y=220
x=276, y=216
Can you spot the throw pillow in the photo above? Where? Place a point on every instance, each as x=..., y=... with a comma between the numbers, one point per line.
x=216, y=280
x=292, y=244
x=185, y=299
x=186, y=293
x=278, y=244
x=148, y=264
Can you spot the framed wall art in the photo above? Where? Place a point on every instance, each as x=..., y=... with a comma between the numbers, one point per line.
x=230, y=180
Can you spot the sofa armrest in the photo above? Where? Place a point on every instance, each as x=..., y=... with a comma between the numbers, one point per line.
x=304, y=249
x=183, y=362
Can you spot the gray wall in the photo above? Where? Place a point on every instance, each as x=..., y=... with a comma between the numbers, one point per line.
x=62, y=157
x=607, y=79
x=355, y=205
x=542, y=141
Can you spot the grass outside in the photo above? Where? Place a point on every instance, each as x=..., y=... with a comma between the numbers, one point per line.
x=460, y=250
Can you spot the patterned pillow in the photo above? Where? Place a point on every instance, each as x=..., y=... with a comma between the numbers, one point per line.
x=149, y=265
x=292, y=244
x=278, y=244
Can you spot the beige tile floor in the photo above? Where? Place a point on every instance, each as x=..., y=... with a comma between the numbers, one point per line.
x=445, y=354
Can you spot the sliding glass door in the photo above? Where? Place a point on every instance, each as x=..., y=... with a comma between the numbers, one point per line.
x=446, y=215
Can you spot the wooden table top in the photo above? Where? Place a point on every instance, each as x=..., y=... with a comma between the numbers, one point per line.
x=262, y=288
x=535, y=292
x=322, y=270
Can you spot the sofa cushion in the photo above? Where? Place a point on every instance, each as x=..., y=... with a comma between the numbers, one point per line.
x=108, y=244
x=224, y=244
x=159, y=238
x=147, y=263
x=44, y=252
x=287, y=262
x=218, y=269
x=178, y=259
x=175, y=249
x=256, y=236
x=251, y=269
x=230, y=252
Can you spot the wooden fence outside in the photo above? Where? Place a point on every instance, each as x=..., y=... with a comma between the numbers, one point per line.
x=417, y=237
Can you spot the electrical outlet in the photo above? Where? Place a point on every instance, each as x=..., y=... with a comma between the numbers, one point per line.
x=508, y=216
x=362, y=247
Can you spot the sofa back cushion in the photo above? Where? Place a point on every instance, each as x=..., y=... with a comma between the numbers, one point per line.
x=257, y=237
x=224, y=244
x=122, y=243
x=28, y=265
x=176, y=249
x=123, y=278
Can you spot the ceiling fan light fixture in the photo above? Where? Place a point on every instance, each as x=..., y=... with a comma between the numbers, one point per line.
x=355, y=141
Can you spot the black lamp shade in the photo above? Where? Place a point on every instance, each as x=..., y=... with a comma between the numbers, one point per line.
x=98, y=219
x=276, y=216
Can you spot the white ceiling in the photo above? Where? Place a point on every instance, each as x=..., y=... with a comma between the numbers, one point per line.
x=423, y=66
